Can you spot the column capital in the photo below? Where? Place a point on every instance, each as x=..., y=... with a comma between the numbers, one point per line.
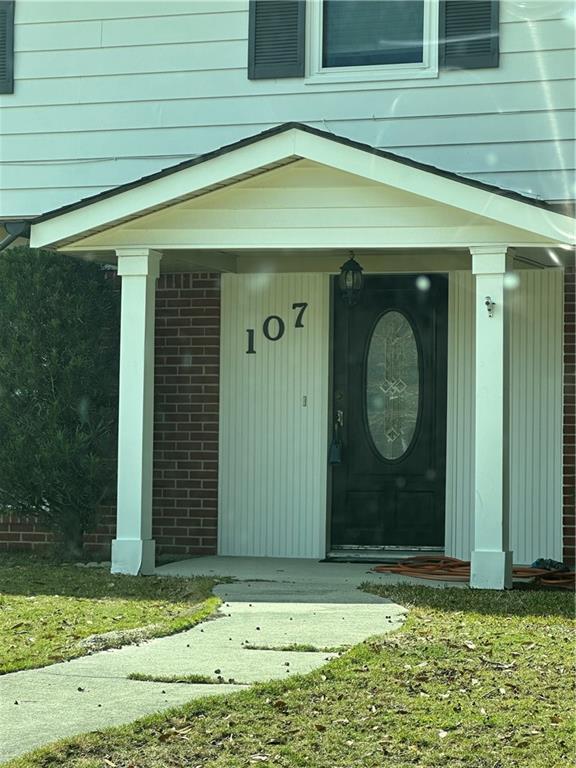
x=491, y=259
x=138, y=262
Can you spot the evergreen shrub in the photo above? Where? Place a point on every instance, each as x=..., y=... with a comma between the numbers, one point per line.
x=59, y=349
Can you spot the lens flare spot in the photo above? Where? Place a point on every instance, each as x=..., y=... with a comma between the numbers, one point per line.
x=423, y=283
x=260, y=281
x=511, y=281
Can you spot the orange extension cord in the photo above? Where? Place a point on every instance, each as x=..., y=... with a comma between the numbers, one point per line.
x=443, y=568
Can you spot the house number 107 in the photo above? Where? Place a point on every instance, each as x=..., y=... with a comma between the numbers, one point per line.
x=273, y=327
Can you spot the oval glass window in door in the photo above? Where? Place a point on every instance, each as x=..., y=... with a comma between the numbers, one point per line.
x=392, y=385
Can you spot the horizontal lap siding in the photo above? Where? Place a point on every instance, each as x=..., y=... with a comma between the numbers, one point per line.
x=304, y=205
x=119, y=90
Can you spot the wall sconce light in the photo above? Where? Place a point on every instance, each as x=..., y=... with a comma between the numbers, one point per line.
x=489, y=306
x=350, y=281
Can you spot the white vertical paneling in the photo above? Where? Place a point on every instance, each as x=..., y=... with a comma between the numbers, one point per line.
x=273, y=449
x=460, y=423
x=535, y=416
x=273, y=468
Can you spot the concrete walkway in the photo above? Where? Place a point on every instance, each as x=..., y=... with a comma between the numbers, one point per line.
x=276, y=603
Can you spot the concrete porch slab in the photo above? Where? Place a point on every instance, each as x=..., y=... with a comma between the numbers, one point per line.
x=333, y=576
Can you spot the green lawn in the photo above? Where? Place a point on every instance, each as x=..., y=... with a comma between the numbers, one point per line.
x=473, y=680
x=51, y=612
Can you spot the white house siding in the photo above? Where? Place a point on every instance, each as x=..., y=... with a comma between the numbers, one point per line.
x=108, y=91
x=535, y=416
x=273, y=417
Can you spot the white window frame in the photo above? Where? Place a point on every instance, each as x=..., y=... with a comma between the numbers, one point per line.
x=317, y=74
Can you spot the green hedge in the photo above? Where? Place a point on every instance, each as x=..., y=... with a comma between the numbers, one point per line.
x=59, y=348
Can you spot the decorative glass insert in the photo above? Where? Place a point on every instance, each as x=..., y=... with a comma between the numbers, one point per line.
x=365, y=32
x=392, y=385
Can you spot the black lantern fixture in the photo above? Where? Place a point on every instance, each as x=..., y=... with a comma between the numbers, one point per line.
x=350, y=281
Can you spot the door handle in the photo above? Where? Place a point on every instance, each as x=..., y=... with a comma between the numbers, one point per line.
x=335, y=450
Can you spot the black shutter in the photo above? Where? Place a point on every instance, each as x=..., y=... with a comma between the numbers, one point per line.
x=276, y=39
x=469, y=35
x=6, y=47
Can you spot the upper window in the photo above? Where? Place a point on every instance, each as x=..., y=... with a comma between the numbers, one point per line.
x=362, y=32
x=369, y=39
x=354, y=40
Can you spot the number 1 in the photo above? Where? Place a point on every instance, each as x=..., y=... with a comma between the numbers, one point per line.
x=250, y=350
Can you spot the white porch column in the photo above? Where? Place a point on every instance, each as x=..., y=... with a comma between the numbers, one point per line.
x=491, y=557
x=133, y=550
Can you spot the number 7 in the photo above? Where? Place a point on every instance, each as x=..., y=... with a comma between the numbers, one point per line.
x=301, y=305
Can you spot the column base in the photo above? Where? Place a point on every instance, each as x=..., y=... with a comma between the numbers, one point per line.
x=134, y=556
x=491, y=569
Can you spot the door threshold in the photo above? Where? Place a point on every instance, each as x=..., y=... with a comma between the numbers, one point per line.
x=366, y=555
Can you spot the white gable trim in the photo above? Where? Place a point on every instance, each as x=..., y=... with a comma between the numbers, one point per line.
x=161, y=193
x=448, y=191
x=282, y=148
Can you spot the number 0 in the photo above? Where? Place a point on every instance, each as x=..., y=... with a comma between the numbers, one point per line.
x=279, y=332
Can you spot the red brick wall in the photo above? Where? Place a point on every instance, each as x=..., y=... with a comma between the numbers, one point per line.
x=20, y=534
x=185, y=429
x=569, y=481
x=186, y=414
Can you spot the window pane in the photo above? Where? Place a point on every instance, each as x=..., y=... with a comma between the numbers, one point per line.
x=363, y=32
x=392, y=385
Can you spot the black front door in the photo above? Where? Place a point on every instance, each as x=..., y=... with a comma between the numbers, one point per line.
x=390, y=397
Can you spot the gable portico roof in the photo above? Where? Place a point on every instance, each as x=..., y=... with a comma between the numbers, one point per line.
x=283, y=145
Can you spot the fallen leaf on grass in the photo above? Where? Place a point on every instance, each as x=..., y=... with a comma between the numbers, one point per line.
x=497, y=664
